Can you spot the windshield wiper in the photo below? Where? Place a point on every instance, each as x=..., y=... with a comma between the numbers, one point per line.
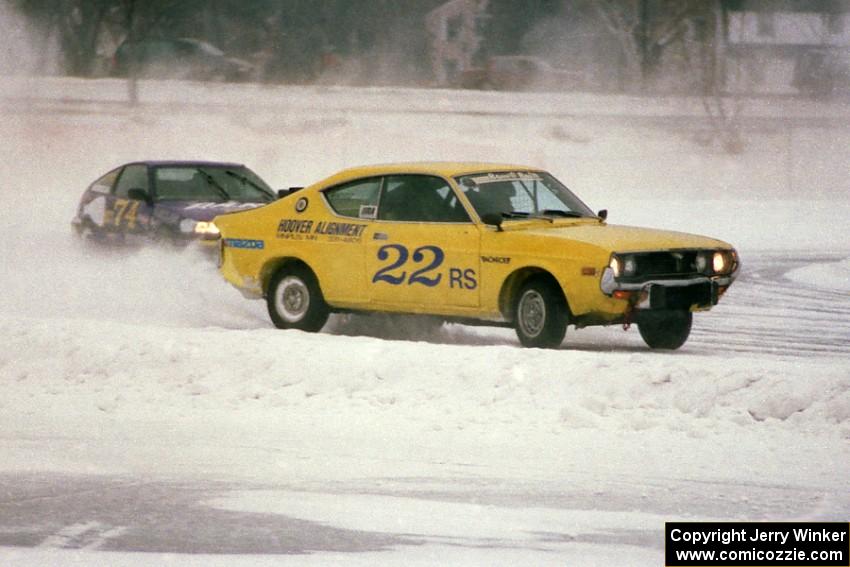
x=215, y=184
x=247, y=180
x=545, y=214
x=514, y=214
x=560, y=213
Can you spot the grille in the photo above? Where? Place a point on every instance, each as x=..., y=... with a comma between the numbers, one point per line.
x=664, y=265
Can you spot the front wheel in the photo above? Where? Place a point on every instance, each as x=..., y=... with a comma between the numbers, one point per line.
x=665, y=330
x=541, y=315
x=295, y=301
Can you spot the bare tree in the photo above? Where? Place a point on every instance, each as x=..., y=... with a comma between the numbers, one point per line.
x=132, y=71
x=644, y=29
x=723, y=106
x=76, y=24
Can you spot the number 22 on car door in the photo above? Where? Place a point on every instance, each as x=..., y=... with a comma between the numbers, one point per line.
x=422, y=249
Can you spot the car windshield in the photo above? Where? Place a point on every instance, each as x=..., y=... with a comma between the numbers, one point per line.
x=211, y=183
x=521, y=194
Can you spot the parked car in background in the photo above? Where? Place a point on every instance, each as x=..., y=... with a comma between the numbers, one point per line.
x=166, y=201
x=179, y=58
x=495, y=244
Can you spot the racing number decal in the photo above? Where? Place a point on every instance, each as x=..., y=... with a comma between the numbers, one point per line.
x=125, y=210
x=420, y=276
x=383, y=253
x=418, y=256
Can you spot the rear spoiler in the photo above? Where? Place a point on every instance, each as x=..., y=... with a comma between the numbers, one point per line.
x=281, y=193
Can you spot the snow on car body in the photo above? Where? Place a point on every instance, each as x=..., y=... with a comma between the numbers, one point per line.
x=173, y=201
x=502, y=244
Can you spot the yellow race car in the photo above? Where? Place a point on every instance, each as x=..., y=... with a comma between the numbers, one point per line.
x=470, y=242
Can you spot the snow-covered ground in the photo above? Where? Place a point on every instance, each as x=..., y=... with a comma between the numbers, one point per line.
x=447, y=447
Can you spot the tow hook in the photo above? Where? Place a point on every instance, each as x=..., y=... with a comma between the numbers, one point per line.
x=628, y=316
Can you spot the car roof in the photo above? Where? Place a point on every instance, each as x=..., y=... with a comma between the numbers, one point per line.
x=184, y=163
x=440, y=168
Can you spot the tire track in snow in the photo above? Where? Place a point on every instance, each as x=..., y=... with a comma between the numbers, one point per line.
x=88, y=535
x=764, y=312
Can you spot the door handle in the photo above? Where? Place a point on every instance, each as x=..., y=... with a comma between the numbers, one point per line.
x=380, y=236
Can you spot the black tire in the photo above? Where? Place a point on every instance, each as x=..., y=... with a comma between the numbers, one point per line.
x=540, y=314
x=666, y=330
x=94, y=237
x=295, y=301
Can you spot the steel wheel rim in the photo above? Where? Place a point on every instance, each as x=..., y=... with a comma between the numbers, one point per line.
x=292, y=299
x=532, y=313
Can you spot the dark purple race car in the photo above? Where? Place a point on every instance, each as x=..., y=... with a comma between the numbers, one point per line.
x=166, y=201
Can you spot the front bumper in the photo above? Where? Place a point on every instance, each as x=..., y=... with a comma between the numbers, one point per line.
x=682, y=293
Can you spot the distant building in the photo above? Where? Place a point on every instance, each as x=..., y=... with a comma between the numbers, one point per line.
x=455, y=30
x=788, y=47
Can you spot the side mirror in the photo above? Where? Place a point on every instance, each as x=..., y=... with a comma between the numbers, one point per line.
x=493, y=219
x=281, y=193
x=139, y=195
x=602, y=214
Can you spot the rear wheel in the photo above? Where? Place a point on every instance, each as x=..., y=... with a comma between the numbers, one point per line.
x=541, y=315
x=666, y=329
x=92, y=235
x=295, y=301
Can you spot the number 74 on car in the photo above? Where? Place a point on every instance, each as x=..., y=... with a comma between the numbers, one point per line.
x=469, y=242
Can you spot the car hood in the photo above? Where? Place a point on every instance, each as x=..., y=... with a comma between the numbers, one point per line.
x=616, y=238
x=205, y=211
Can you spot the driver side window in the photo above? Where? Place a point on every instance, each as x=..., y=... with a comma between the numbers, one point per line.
x=133, y=177
x=422, y=198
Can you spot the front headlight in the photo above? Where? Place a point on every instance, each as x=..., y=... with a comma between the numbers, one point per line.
x=623, y=265
x=719, y=263
x=616, y=266
x=716, y=262
x=724, y=261
x=207, y=229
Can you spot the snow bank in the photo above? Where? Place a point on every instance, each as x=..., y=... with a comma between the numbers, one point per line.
x=119, y=367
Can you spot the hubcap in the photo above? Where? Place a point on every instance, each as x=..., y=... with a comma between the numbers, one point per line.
x=531, y=313
x=292, y=299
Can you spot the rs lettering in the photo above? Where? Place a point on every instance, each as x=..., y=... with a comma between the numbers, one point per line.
x=462, y=279
x=469, y=279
